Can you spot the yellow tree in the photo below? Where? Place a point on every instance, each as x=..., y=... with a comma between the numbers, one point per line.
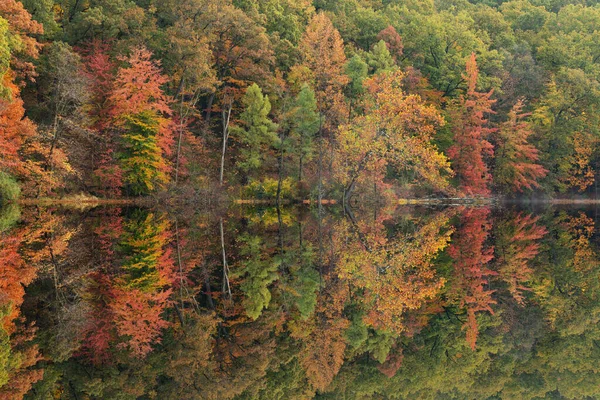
x=396, y=129
x=322, y=50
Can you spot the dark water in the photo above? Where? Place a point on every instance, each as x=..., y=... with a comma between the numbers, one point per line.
x=413, y=303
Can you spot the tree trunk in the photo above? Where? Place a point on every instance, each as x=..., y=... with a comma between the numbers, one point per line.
x=226, y=118
x=226, y=286
x=280, y=176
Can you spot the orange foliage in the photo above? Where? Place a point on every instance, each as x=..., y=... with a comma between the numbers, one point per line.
x=15, y=128
x=518, y=244
x=471, y=257
x=396, y=129
x=322, y=50
x=21, y=26
x=581, y=174
x=470, y=135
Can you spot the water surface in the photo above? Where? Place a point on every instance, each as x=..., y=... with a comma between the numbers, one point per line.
x=440, y=303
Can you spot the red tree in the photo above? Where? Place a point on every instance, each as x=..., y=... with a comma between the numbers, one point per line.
x=470, y=135
x=392, y=40
x=471, y=256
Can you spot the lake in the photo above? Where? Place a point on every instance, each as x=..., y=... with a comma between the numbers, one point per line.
x=402, y=302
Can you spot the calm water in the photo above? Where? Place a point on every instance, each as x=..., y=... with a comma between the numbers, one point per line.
x=413, y=303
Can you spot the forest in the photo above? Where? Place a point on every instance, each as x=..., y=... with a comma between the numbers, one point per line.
x=205, y=199
x=298, y=100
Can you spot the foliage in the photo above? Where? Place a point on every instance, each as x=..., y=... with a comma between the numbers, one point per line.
x=9, y=189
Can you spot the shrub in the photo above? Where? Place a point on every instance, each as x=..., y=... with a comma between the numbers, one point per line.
x=9, y=188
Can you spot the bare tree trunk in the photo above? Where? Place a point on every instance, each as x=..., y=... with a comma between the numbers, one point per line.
x=226, y=286
x=280, y=178
x=320, y=165
x=226, y=118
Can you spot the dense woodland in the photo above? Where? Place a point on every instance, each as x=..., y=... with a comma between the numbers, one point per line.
x=298, y=99
x=283, y=101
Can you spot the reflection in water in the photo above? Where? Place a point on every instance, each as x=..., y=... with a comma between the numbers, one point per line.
x=282, y=304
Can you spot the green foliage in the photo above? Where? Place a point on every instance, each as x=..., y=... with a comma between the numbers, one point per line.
x=9, y=189
x=267, y=188
x=380, y=59
x=256, y=132
x=9, y=216
x=141, y=158
x=6, y=361
x=4, y=56
x=257, y=272
x=45, y=12
x=356, y=69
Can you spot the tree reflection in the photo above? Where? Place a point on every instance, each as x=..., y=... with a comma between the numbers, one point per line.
x=292, y=304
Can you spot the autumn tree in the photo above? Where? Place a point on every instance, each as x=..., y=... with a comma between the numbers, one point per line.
x=393, y=41
x=516, y=159
x=396, y=130
x=322, y=52
x=100, y=70
x=19, y=36
x=470, y=133
x=471, y=256
x=141, y=112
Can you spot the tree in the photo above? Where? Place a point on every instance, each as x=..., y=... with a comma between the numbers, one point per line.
x=380, y=59
x=470, y=133
x=516, y=159
x=255, y=131
x=68, y=92
x=393, y=41
x=322, y=52
x=21, y=31
x=304, y=126
x=396, y=130
x=471, y=256
x=357, y=70
x=140, y=110
x=141, y=158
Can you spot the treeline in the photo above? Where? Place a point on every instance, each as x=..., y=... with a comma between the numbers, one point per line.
x=285, y=98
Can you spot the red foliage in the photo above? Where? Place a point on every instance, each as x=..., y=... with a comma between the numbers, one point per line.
x=471, y=256
x=392, y=40
x=98, y=333
x=138, y=318
x=470, y=135
x=100, y=71
x=137, y=87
